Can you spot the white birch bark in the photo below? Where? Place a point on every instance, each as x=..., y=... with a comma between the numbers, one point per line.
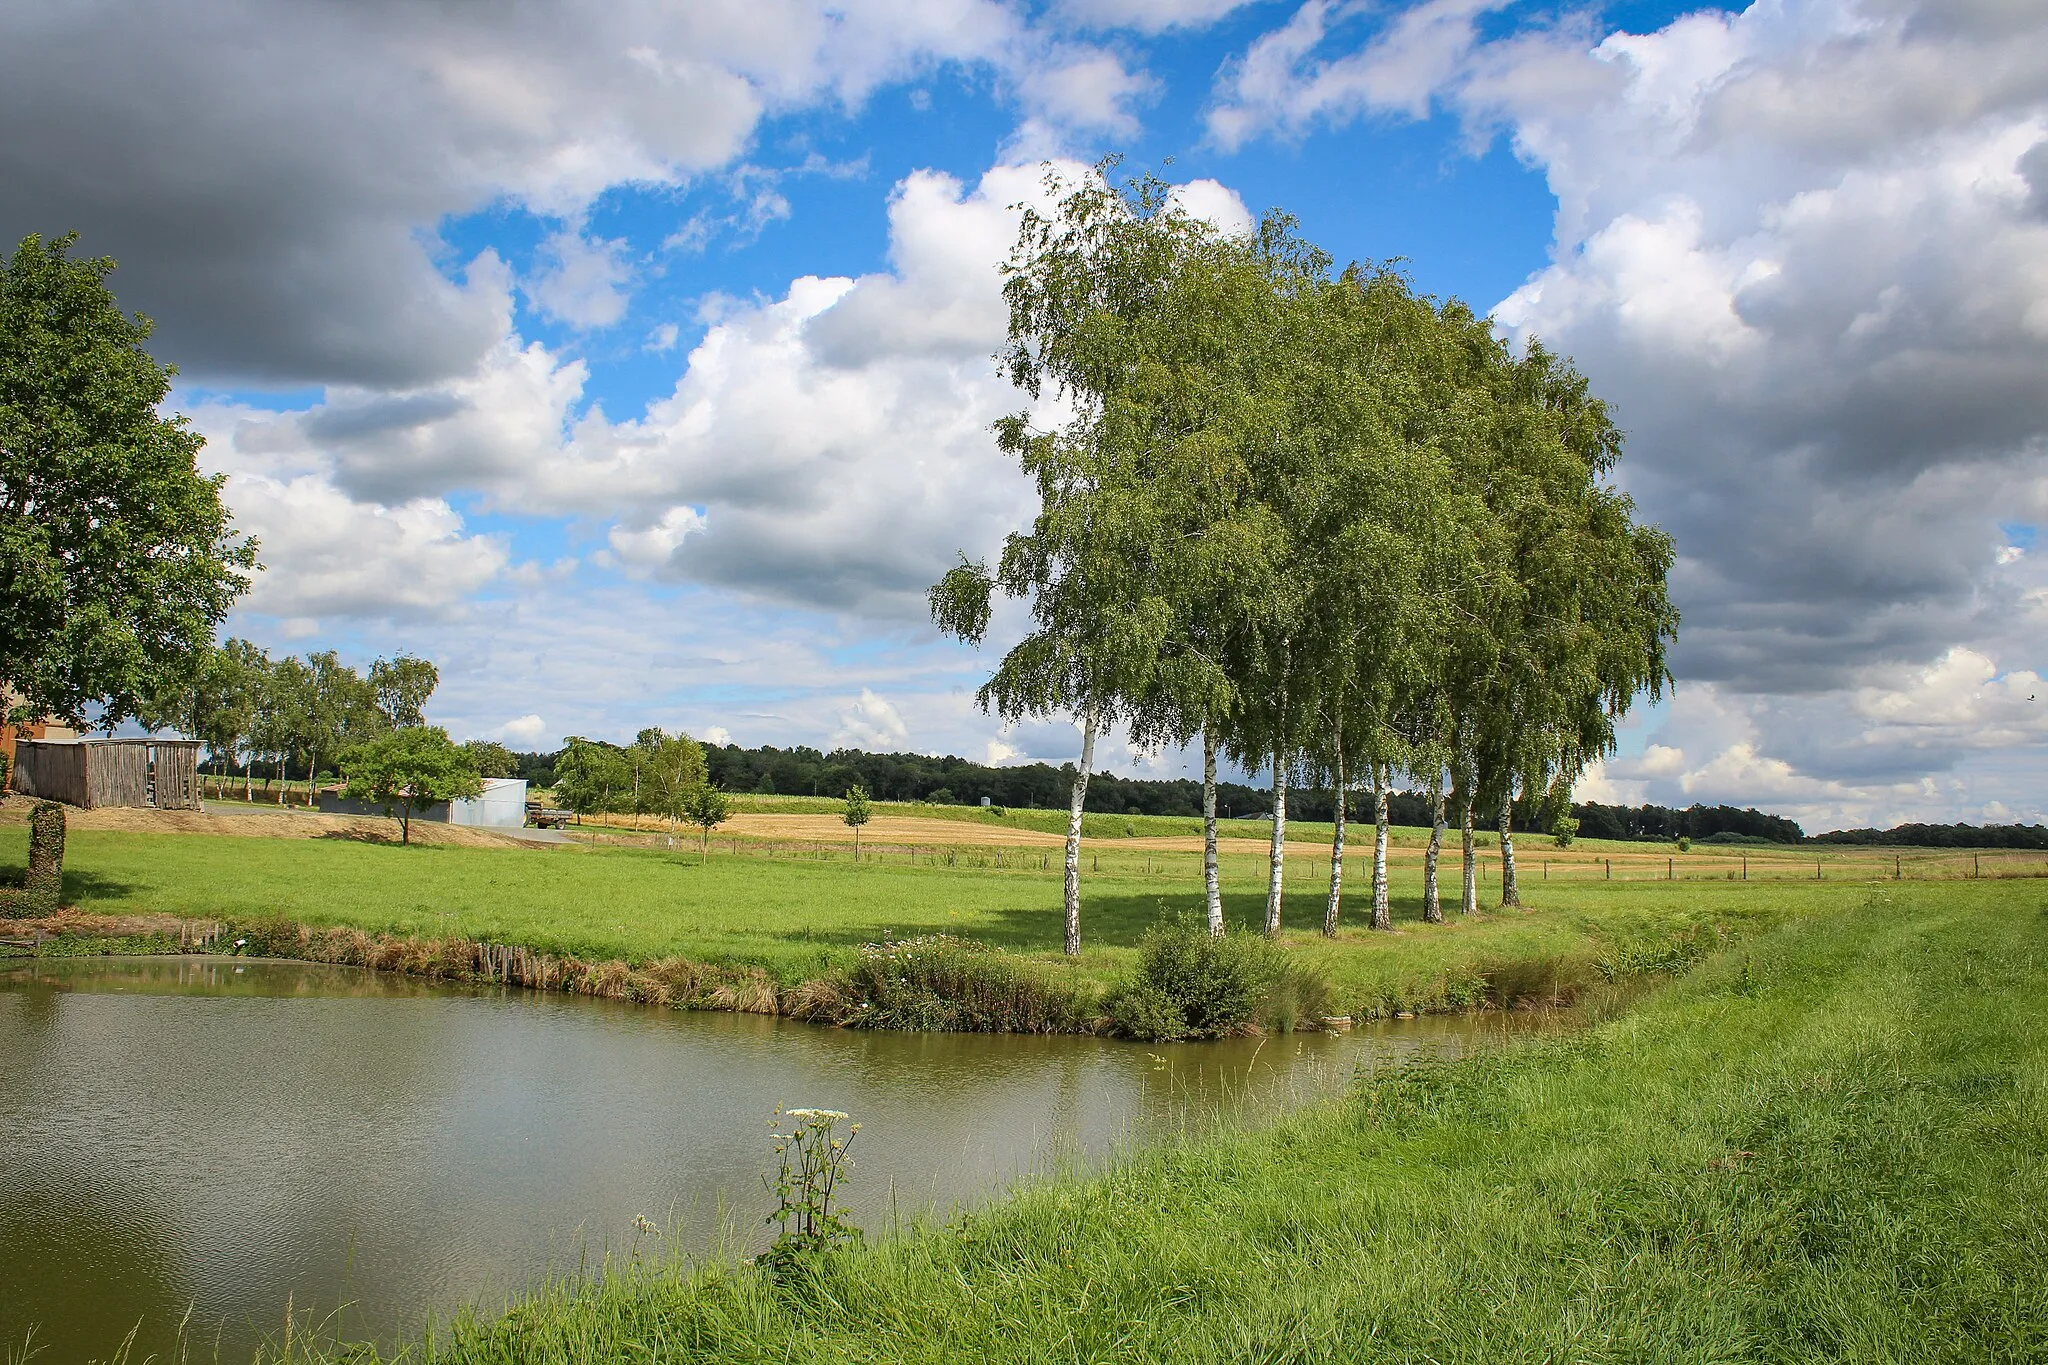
x=1277, y=870
x=1382, y=912
x=1336, y=845
x=1212, y=885
x=1432, y=903
x=1080, y=795
x=1510, y=894
x=1469, y=903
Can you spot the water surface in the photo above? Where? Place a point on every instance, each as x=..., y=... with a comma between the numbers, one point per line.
x=217, y=1138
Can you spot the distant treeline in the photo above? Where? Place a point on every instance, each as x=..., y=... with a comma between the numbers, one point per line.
x=1701, y=824
x=1943, y=836
x=804, y=771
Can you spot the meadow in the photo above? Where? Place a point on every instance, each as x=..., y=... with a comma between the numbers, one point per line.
x=800, y=909
x=1824, y=1144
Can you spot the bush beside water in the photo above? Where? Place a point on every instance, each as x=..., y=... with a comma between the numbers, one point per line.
x=1190, y=983
x=939, y=983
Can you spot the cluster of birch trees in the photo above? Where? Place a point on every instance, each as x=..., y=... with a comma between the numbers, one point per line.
x=1314, y=521
x=290, y=715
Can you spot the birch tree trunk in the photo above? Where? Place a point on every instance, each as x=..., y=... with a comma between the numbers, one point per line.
x=1074, y=835
x=1432, y=904
x=1336, y=846
x=312, y=768
x=1469, y=903
x=1212, y=886
x=1277, y=869
x=249, y=780
x=1382, y=912
x=1510, y=894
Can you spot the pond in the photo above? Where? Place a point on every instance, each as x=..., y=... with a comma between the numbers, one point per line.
x=220, y=1138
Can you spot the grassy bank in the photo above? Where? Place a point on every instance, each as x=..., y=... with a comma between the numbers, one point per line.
x=799, y=917
x=1829, y=1144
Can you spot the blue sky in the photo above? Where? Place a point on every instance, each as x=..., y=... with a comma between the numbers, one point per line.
x=630, y=359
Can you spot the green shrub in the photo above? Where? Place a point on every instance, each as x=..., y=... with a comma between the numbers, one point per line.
x=941, y=984
x=1192, y=984
x=1684, y=845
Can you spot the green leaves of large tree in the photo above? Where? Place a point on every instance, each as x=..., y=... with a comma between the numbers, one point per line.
x=117, y=558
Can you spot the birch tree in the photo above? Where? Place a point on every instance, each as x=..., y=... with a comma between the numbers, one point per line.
x=1102, y=315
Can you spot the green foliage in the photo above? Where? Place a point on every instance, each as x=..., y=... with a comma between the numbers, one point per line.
x=117, y=556
x=859, y=809
x=706, y=807
x=491, y=759
x=402, y=684
x=670, y=768
x=1190, y=983
x=592, y=777
x=1684, y=844
x=403, y=770
x=42, y=889
x=1563, y=828
x=939, y=983
x=813, y=1161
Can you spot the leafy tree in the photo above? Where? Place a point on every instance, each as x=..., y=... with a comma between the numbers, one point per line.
x=117, y=557
x=283, y=709
x=706, y=807
x=671, y=768
x=857, y=813
x=403, y=770
x=214, y=705
x=592, y=777
x=490, y=758
x=402, y=685
x=1090, y=288
x=339, y=710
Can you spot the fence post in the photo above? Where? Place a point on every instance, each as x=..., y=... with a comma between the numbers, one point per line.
x=1671, y=869
x=1976, y=864
x=1745, y=867
x=1816, y=869
x=1898, y=868
x=1610, y=869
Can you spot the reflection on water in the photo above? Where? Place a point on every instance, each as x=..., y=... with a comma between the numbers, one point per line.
x=215, y=1136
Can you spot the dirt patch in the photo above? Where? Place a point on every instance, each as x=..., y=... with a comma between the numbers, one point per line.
x=278, y=824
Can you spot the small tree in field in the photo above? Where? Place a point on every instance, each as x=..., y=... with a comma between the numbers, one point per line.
x=706, y=807
x=858, y=812
x=403, y=770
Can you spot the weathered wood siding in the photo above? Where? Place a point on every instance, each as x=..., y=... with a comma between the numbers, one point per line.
x=110, y=772
x=116, y=773
x=174, y=781
x=53, y=770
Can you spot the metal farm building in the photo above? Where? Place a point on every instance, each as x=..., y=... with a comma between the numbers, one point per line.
x=163, y=773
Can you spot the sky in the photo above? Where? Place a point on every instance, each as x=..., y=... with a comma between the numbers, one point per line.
x=631, y=360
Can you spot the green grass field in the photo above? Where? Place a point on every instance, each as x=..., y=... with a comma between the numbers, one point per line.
x=1830, y=1143
x=800, y=915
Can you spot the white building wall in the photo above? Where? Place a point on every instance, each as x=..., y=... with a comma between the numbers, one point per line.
x=502, y=806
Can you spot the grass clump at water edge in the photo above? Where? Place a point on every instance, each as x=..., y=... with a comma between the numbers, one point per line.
x=1190, y=983
x=937, y=982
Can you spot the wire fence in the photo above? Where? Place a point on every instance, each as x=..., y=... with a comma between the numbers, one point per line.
x=1532, y=867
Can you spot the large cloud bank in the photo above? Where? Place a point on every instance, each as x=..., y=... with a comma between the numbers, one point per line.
x=1804, y=248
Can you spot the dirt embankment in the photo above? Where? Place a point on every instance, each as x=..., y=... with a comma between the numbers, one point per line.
x=285, y=823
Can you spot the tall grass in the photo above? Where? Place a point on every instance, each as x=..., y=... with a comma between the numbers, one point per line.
x=1828, y=1144
x=938, y=982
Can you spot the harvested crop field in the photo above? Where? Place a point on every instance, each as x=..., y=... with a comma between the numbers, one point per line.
x=262, y=824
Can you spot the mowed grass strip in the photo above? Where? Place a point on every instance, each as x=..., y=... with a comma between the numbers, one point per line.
x=799, y=915
x=1828, y=1144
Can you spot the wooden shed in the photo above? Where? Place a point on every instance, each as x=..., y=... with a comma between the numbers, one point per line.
x=163, y=773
